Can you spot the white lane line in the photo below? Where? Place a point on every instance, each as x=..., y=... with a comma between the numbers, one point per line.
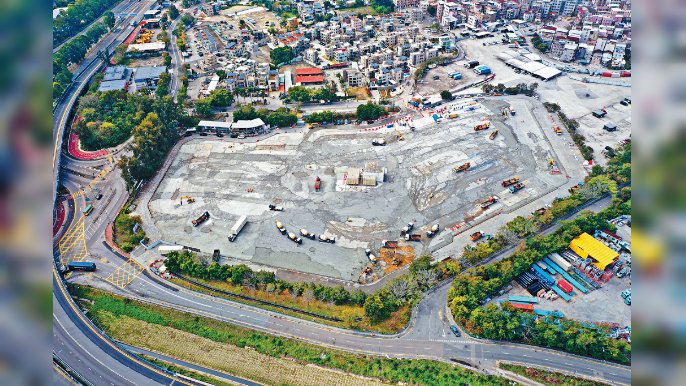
x=88, y=352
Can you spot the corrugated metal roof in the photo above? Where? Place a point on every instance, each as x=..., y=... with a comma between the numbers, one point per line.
x=586, y=245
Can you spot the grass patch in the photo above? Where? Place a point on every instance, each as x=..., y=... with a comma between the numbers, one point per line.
x=352, y=316
x=548, y=377
x=123, y=231
x=114, y=315
x=184, y=371
x=358, y=10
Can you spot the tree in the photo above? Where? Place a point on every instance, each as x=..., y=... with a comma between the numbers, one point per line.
x=163, y=85
x=167, y=60
x=382, y=6
x=446, y=95
x=282, y=118
x=108, y=18
x=375, y=309
x=370, y=111
x=221, y=98
x=173, y=12
x=203, y=107
x=299, y=94
x=281, y=55
x=187, y=19
x=421, y=264
x=221, y=74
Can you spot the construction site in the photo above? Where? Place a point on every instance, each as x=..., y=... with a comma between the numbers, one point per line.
x=353, y=202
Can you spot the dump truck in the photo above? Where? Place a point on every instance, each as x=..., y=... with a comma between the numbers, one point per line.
x=295, y=238
x=407, y=228
x=509, y=182
x=476, y=236
x=203, y=217
x=379, y=142
x=462, y=167
x=389, y=243
x=276, y=208
x=516, y=187
x=237, y=227
x=432, y=232
x=413, y=237
x=326, y=239
x=493, y=135
x=489, y=201
x=557, y=130
x=307, y=234
x=280, y=227
x=317, y=184
x=482, y=126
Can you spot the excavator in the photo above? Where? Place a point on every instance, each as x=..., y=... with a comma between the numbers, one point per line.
x=399, y=135
x=189, y=199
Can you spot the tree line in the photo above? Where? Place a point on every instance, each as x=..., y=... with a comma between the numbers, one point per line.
x=186, y=263
x=77, y=16
x=72, y=52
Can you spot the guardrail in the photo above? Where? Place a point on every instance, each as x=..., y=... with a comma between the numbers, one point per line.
x=69, y=371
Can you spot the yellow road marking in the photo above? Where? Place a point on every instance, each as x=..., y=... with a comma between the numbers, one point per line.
x=126, y=273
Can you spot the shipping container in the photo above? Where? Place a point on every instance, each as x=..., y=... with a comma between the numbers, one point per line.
x=525, y=299
x=562, y=283
x=561, y=293
x=559, y=260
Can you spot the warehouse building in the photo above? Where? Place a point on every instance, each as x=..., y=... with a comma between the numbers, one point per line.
x=587, y=246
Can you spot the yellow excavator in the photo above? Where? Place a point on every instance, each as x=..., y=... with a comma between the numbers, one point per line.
x=189, y=199
x=399, y=135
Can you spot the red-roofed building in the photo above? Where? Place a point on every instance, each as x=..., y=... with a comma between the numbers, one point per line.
x=314, y=79
x=308, y=76
x=308, y=71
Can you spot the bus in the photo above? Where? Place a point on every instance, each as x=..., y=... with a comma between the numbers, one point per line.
x=81, y=266
x=88, y=210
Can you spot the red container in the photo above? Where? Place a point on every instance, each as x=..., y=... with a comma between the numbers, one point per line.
x=523, y=307
x=566, y=287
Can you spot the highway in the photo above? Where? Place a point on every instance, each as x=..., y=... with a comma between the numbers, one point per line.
x=95, y=357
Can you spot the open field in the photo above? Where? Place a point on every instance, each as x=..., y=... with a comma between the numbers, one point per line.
x=230, y=179
x=548, y=377
x=242, y=362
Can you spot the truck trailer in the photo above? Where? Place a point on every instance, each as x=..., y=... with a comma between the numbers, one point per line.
x=237, y=227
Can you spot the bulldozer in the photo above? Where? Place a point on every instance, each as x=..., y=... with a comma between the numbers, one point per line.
x=189, y=199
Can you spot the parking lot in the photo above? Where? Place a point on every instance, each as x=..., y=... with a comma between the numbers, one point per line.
x=230, y=179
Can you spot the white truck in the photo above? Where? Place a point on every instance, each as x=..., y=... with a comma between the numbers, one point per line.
x=236, y=228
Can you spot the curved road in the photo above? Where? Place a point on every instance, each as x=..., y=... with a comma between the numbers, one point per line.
x=100, y=360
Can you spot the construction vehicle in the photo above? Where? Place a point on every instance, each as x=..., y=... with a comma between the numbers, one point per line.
x=379, y=142
x=407, y=228
x=276, y=208
x=189, y=199
x=462, y=167
x=203, y=217
x=370, y=255
x=326, y=239
x=493, y=135
x=413, y=237
x=389, y=243
x=280, y=227
x=399, y=136
x=237, y=227
x=557, y=130
x=452, y=115
x=432, y=232
x=489, y=201
x=576, y=187
x=306, y=233
x=317, y=184
x=476, y=236
x=509, y=182
x=482, y=126
x=512, y=111
x=516, y=187
x=295, y=238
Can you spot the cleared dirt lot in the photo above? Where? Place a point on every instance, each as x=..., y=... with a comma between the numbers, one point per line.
x=592, y=128
x=230, y=179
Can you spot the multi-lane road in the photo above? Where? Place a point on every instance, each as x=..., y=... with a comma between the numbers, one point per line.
x=99, y=360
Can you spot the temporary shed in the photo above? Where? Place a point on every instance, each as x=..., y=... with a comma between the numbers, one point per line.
x=587, y=246
x=353, y=177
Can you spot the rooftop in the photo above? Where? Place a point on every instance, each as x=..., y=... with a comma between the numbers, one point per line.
x=308, y=71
